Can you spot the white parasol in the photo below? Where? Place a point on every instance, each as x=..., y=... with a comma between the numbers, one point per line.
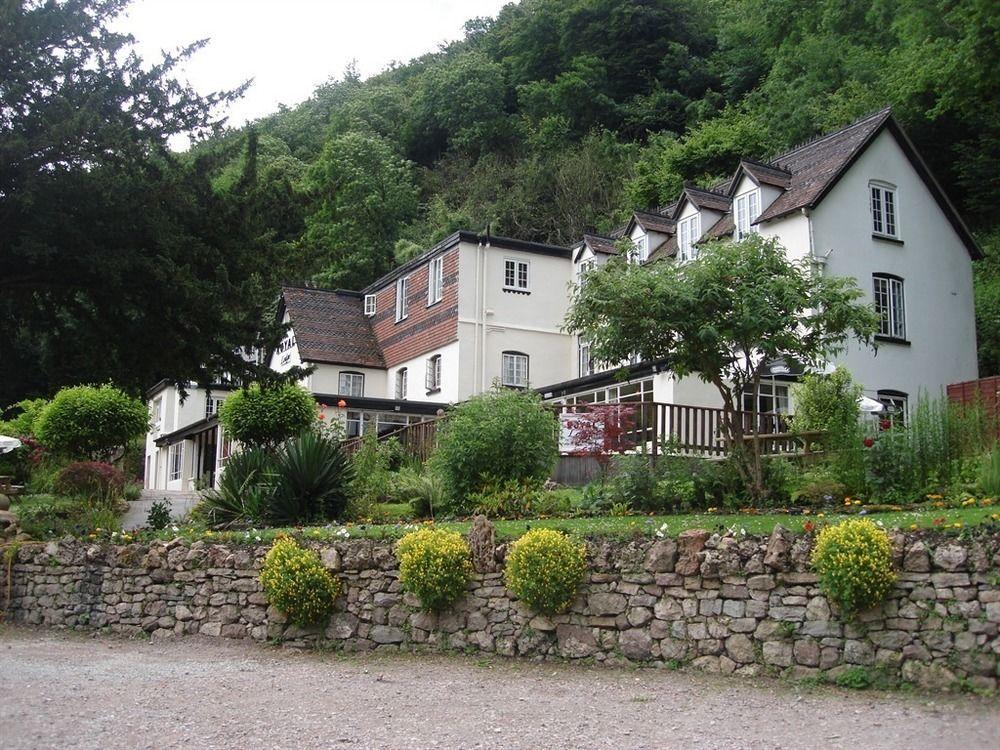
x=7, y=444
x=870, y=405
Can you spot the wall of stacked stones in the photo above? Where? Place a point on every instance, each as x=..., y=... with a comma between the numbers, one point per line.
x=725, y=604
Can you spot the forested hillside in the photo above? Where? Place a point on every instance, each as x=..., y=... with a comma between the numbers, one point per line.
x=559, y=116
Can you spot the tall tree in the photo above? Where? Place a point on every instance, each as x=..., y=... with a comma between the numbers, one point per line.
x=117, y=261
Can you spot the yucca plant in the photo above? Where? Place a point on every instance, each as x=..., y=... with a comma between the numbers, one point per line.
x=312, y=476
x=244, y=489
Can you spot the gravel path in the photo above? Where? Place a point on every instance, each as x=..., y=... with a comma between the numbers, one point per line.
x=60, y=690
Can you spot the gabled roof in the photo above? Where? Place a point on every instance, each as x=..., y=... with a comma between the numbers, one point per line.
x=762, y=174
x=330, y=327
x=816, y=166
x=703, y=198
x=651, y=222
x=724, y=227
x=667, y=249
x=601, y=244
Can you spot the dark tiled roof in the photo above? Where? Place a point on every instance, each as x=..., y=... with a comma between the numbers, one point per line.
x=816, y=165
x=722, y=228
x=765, y=174
x=704, y=198
x=667, y=249
x=331, y=327
x=654, y=222
x=599, y=244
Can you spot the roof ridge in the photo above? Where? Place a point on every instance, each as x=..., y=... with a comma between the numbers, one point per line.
x=304, y=287
x=883, y=113
x=765, y=165
x=689, y=185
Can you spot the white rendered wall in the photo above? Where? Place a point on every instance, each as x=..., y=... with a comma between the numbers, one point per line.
x=416, y=373
x=935, y=265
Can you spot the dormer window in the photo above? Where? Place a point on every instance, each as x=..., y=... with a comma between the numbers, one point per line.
x=369, y=305
x=883, y=202
x=747, y=209
x=641, y=249
x=688, y=232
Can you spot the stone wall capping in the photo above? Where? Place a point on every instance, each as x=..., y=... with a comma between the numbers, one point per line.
x=722, y=604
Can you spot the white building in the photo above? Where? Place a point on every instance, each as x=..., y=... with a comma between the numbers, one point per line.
x=476, y=309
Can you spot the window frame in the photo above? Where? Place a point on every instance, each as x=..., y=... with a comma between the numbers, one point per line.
x=432, y=374
x=175, y=462
x=517, y=286
x=692, y=225
x=351, y=375
x=157, y=408
x=884, y=209
x=899, y=401
x=371, y=305
x=402, y=303
x=751, y=212
x=892, y=322
x=640, y=252
x=435, y=280
x=584, y=366
x=402, y=383
x=514, y=356
x=212, y=404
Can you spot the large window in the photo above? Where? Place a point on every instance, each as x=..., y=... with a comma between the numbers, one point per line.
x=369, y=305
x=890, y=306
x=688, y=232
x=435, y=280
x=515, y=275
x=157, y=410
x=515, y=370
x=352, y=384
x=401, y=378
x=884, y=210
x=175, y=458
x=212, y=404
x=402, y=304
x=772, y=398
x=747, y=209
x=432, y=378
x=586, y=364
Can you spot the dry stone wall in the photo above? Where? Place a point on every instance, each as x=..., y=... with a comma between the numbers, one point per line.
x=721, y=603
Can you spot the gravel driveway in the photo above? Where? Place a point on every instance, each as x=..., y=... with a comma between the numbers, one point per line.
x=60, y=690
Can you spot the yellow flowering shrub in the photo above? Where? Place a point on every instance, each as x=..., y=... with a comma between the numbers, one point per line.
x=545, y=568
x=434, y=565
x=296, y=583
x=853, y=560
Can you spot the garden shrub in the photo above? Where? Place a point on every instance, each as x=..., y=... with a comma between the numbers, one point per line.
x=373, y=480
x=503, y=433
x=296, y=583
x=265, y=416
x=633, y=483
x=159, y=515
x=49, y=516
x=435, y=566
x=853, y=560
x=423, y=490
x=827, y=403
x=507, y=498
x=989, y=473
x=91, y=422
x=544, y=569
x=820, y=486
x=312, y=478
x=91, y=480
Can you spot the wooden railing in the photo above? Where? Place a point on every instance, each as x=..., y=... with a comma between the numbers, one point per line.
x=417, y=439
x=698, y=430
x=652, y=427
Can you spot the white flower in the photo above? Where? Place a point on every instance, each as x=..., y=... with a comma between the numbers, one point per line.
x=175, y=528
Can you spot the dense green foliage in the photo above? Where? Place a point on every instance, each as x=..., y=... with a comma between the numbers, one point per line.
x=544, y=568
x=296, y=583
x=434, y=565
x=266, y=415
x=501, y=433
x=91, y=421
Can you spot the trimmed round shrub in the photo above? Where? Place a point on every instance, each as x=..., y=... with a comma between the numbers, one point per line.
x=91, y=422
x=267, y=416
x=434, y=565
x=503, y=434
x=853, y=560
x=92, y=480
x=545, y=568
x=296, y=583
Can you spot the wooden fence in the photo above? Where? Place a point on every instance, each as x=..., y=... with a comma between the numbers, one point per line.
x=651, y=427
